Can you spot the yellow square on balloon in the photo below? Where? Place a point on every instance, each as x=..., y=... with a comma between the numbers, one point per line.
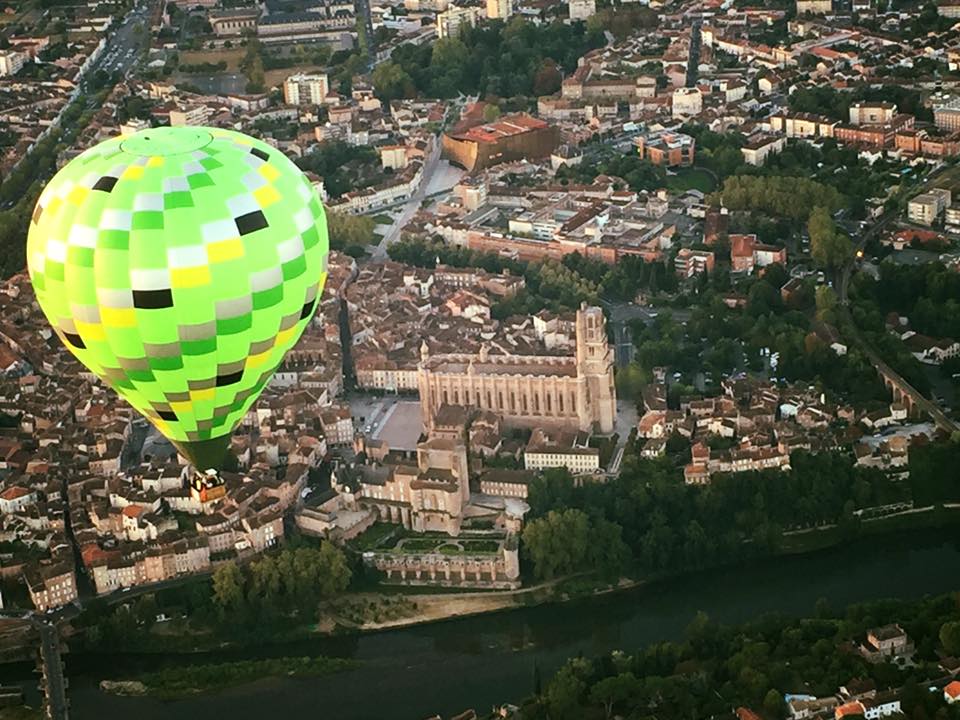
x=269, y=172
x=181, y=407
x=258, y=360
x=203, y=394
x=225, y=250
x=190, y=277
x=266, y=196
x=77, y=195
x=284, y=335
x=90, y=331
x=118, y=317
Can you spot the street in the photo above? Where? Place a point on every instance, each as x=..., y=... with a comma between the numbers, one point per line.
x=56, y=687
x=410, y=207
x=124, y=43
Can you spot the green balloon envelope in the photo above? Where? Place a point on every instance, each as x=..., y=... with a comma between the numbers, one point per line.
x=180, y=265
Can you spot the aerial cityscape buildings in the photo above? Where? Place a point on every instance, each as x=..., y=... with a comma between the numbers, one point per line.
x=648, y=307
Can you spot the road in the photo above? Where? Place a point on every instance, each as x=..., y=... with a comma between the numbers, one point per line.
x=124, y=45
x=363, y=9
x=54, y=681
x=693, y=61
x=410, y=207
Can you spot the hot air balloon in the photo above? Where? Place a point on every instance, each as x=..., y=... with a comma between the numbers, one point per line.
x=180, y=265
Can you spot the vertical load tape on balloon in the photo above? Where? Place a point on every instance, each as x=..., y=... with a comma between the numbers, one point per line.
x=180, y=265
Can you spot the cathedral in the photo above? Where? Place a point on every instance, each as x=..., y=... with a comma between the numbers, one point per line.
x=571, y=392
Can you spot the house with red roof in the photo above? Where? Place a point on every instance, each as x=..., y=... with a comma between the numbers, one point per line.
x=16, y=498
x=951, y=693
x=746, y=253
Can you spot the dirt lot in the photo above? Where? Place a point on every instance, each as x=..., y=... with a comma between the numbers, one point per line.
x=231, y=57
x=276, y=77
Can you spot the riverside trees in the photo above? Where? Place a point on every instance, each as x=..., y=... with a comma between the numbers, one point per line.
x=293, y=581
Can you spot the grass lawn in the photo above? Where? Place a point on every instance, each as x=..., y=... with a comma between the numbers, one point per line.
x=383, y=219
x=691, y=178
x=375, y=535
x=420, y=544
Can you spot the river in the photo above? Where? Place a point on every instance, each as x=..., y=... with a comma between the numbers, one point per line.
x=477, y=662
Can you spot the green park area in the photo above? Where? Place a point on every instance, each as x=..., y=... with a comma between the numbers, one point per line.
x=692, y=178
x=448, y=546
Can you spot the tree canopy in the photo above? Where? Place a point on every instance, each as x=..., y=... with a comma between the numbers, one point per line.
x=829, y=247
x=785, y=196
x=509, y=60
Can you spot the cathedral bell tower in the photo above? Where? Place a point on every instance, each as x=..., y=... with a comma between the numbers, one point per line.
x=596, y=396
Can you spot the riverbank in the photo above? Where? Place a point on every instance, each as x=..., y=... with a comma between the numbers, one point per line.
x=429, y=608
x=823, y=538
x=442, y=607
x=444, y=667
x=403, y=607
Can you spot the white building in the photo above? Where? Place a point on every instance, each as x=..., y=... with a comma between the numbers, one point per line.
x=192, y=116
x=814, y=7
x=582, y=9
x=393, y=156
x=757, y=151
x=552, y=449
x=927, y=207
x=134, y=125
x=358, y=202
x=499, y=9
x=11, y=62
x=426, y=5
x=687, y=102
x=872, y=113
x=450, y=21
x=301, y=89
x=16, y=498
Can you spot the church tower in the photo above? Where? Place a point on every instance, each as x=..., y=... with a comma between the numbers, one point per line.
x=596, y=397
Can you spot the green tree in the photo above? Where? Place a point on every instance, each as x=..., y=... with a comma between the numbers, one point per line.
x=228, y=589
x=565, y=691
x=826, y=301
x=392, y=82
x=491, y=112
x=448, y=66
x=252, y=66
x=783, y=196
x=146, y=610
x=548, y=78
x=614, y=690
x=631, y=380
x=950, y=637
x=346, y=230
x=557, y=544
x=828, y=247
x=773, y=705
